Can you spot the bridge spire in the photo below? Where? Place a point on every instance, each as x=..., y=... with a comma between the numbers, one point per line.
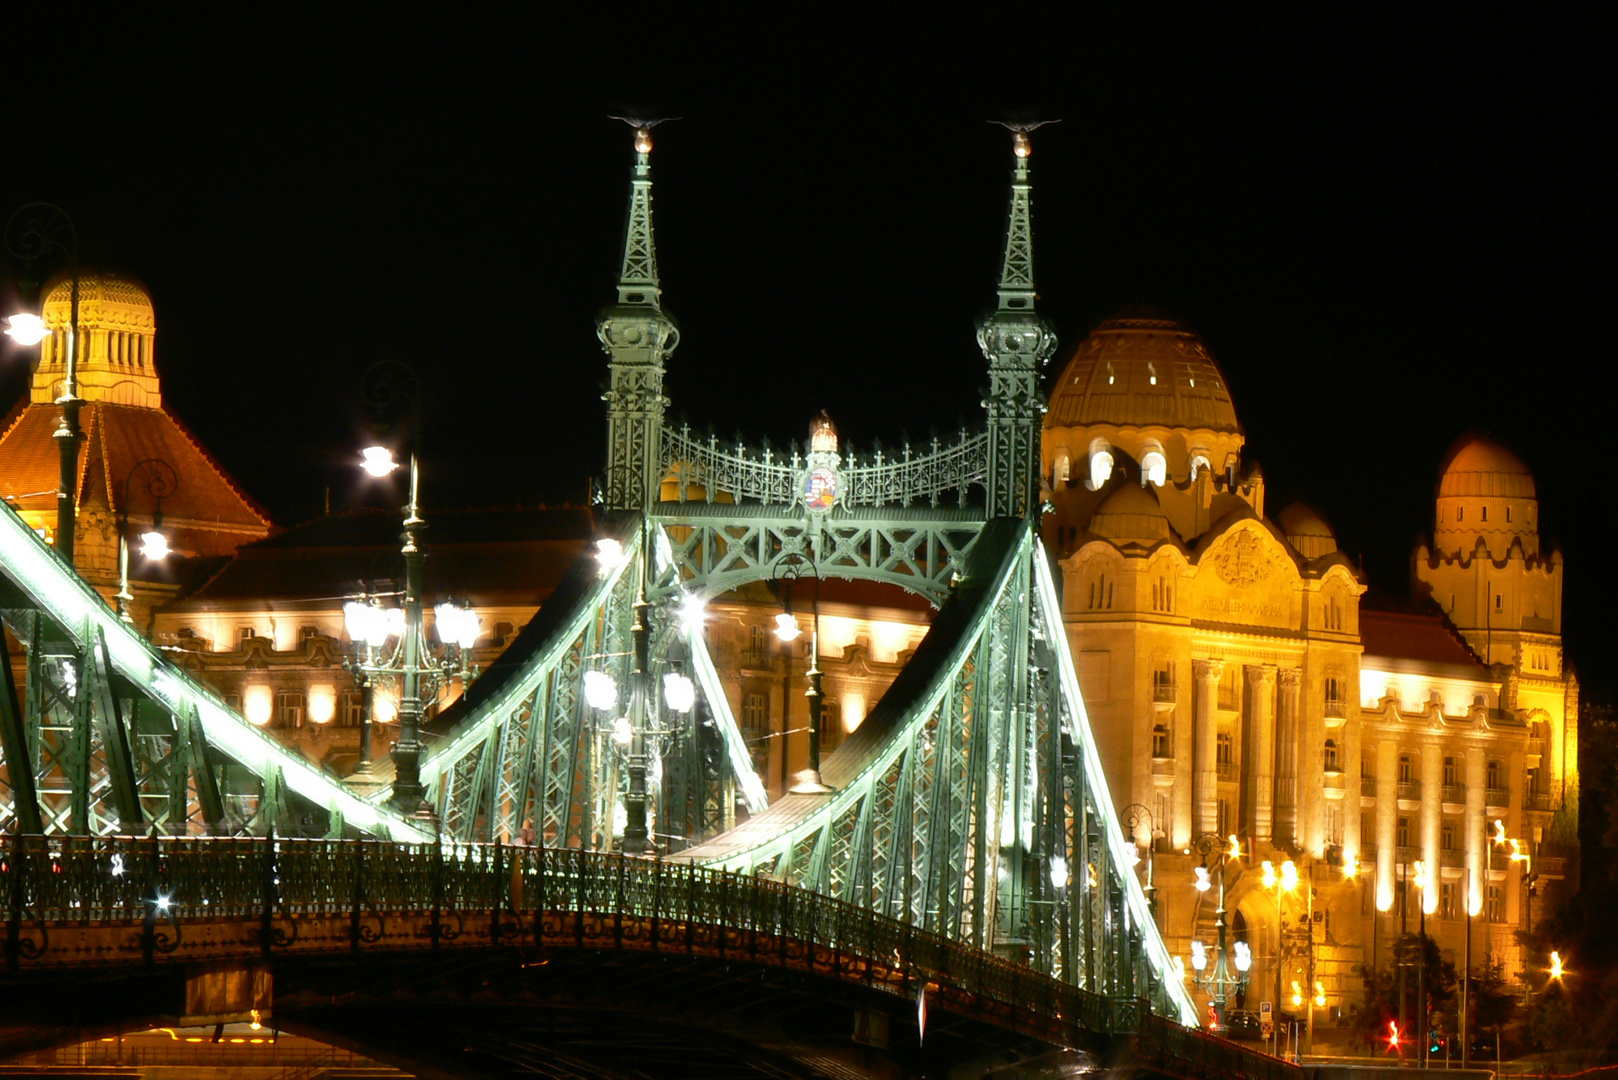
x=1016, y=342
x=638, y=336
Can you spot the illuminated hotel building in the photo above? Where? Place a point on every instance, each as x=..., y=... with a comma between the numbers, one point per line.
x=1240, y=682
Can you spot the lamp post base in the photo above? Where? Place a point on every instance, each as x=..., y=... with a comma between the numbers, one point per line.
x=810, y=784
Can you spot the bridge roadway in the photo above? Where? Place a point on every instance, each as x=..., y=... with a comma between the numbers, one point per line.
x=380, y=945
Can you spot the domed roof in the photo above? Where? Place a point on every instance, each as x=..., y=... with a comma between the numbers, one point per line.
x=106, y=302
x=1308, y=532
x=1479, y=466
x=1131, y=513
x=1141, y=368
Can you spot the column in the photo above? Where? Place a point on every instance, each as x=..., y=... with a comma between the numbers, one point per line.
x=1261, y=748
x=1432, y=817
x=1206, y=721
x=1286, y=759
x=1477, y=847
x=1387, y=820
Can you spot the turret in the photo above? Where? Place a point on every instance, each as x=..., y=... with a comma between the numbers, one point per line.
x=1016, y=342
x=638, y=336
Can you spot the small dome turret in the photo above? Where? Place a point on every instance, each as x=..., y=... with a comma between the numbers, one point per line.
x=1131, y=514
x=1307, y=531
x=1485, y=493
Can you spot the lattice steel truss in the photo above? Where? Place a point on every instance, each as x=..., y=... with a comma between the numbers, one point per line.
x=972, y=803
x=113, y=738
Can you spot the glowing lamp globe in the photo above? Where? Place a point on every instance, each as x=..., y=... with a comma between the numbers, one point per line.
x=26, y=329
x=154, y=545
x=377, y=461
x=786, y=626
x=600, y=692
x=1059, y=873
x=678, y=692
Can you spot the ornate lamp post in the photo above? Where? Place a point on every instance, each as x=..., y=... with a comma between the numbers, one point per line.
x=159, y=480
x=1133, y=815
x=1279, y=883
x=788, y=570
x=418, y=673
x=35, y=230
x=1219, y=984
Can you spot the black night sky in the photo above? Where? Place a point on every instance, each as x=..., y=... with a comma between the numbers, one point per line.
x=1388, y=233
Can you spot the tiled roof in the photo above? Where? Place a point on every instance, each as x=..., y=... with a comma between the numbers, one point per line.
x=1413, y=634
x=486, y=556
x=116, y=439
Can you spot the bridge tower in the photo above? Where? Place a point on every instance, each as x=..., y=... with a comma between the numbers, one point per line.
x=1016, y=342
x=638, y=335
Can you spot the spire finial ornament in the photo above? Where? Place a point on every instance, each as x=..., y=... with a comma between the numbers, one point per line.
x=1016, y=342
x=638, y=336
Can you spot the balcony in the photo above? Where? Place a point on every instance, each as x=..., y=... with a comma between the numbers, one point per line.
x=1497, y=798
x=1336, y=710
x=1403, y=854
x=1537, y=800
x=1453, y=858
x=1410, y=789
x=1162, y=692
x=1455, y=793
x=1227, y=770
x=1368, y=786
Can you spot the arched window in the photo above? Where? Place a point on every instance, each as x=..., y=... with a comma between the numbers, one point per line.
x=1100, y=468
x=1063, y=472
x=1199, y=462
x=1154, y=468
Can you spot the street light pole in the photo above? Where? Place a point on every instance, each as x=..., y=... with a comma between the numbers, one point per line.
x=161, y=482
x=45, y=227
x=637, y=836
x=786, y=628
x=409, y=796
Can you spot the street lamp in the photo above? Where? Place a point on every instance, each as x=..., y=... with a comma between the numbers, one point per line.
x=1424, y=886
x=412, y=664
x=1133, y=814
x=1280, y=882
x=35, y=230
x=160, y=481
x=1219, y=984
x=788, y=569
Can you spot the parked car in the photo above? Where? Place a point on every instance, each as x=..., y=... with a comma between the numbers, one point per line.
x=1242, y=1024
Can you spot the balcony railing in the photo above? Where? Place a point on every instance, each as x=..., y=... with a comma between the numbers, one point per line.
x=1163, y=693
x=1410, y=789
x=1227, y=770
x=1455, y=793
x=1536, y=800
x=1336, y=710
x=1368, y=786
x=1497, y=796
x=1452, y=857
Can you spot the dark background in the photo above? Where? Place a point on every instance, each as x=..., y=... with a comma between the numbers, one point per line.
x=1389, y=233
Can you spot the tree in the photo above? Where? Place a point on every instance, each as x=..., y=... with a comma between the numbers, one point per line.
x=1381, y=1001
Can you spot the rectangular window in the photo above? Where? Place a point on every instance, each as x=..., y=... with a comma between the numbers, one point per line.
x=1229, y=695
x=1447, y=894
x=758, y=654
x=1496, y=773
x=289, y=709
x=1449, y=832
x=1334, y=825
x=1407, y=771
x=1494, y=904
x=753, y=706
x=1224, y=817
x=351, y=709
x=1404, y=831
x=245, y=634
x=1162, y=820
x=1368, y=767
x=1225, y=749
x=1162, y=742
x=1452, y=771
x=1332, y=764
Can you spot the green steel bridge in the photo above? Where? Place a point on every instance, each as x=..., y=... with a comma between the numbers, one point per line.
x=965, y=850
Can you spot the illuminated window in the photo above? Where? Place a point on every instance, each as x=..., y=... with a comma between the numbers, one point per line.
x=1064, y=468
x=1407, y=771
x=1332, y=765
x=1154, y=468
x=351, y=709
x=1225, y=751
x=1162, y=742
x=1100, y=467
x=1452, y=772
x=1494, y=904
